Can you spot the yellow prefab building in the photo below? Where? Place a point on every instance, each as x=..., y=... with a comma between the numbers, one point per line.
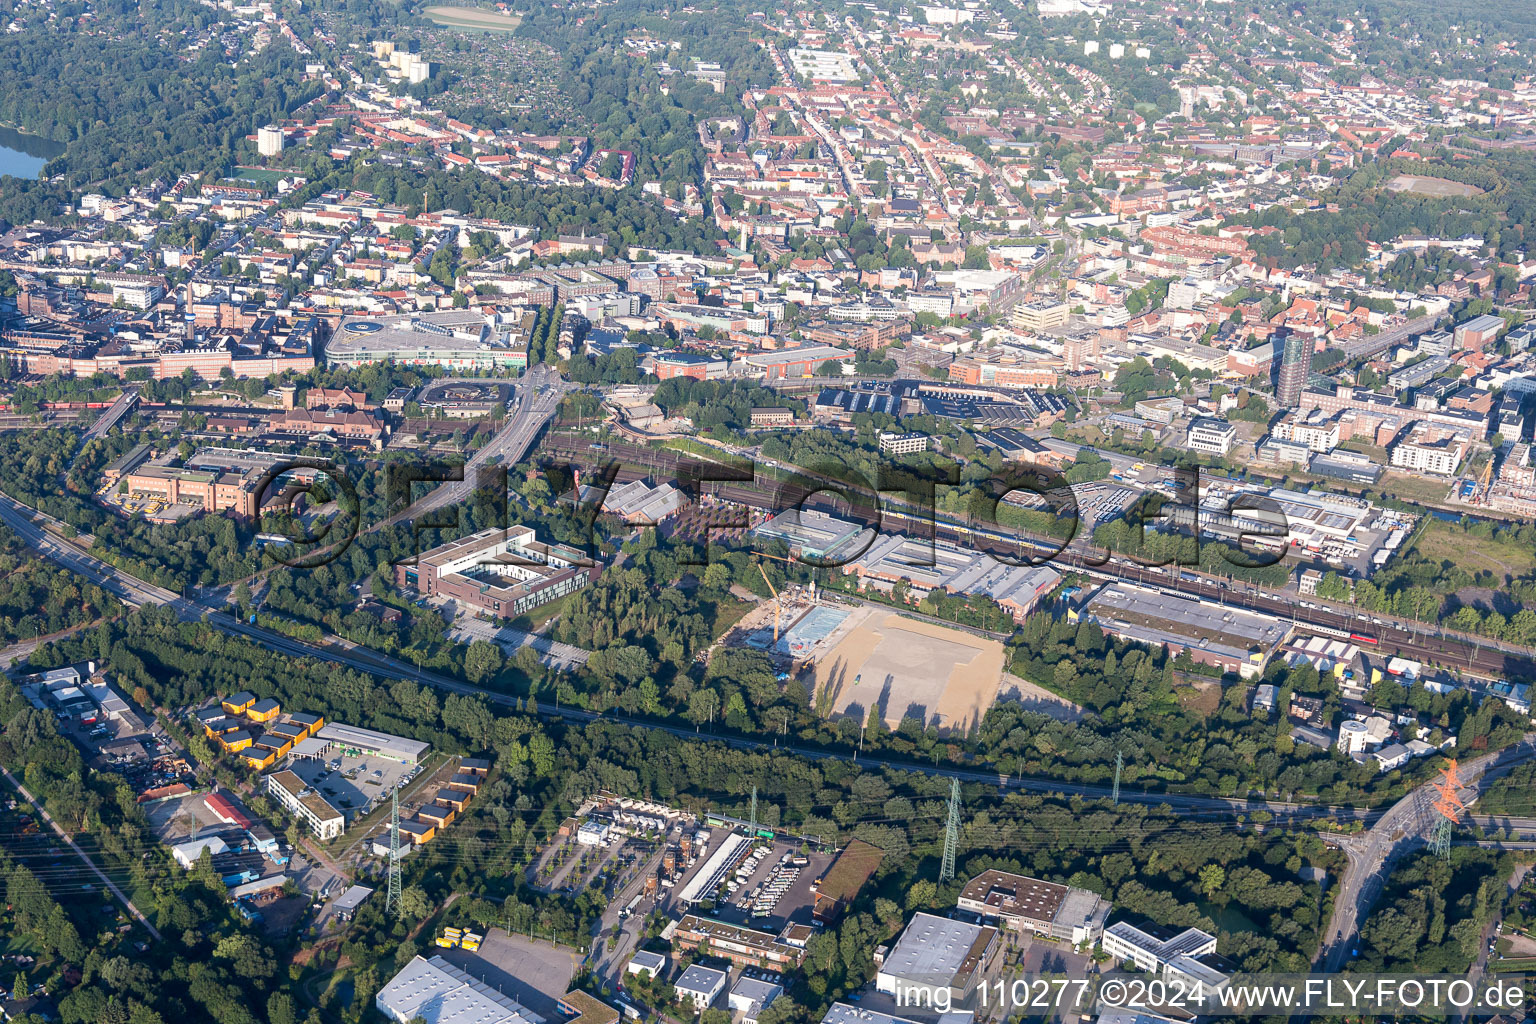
x=263, y=710
x=233, y=742
x=240, y=703
x=260, y=758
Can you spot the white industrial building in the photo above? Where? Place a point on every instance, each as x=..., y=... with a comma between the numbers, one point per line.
x=1186, y=957
x=847, y=1013
x=186, y=854
x=937, y=961
x=700, y=986
x=713, y=871
x=439, y=993
x=925, y=567
x=593, y=832
x=646, y=962
x=367, y=742
x=751, y=997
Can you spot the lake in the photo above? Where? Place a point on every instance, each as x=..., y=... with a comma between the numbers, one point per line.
x=24, y=155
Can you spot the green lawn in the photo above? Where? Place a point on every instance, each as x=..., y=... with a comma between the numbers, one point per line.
x=1440, y=541
x=535, y=620
x=257, y=175
x=1421, y=489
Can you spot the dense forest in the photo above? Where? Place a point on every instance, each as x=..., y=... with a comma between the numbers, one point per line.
x=38, y=598
x=1430, y=918
x=169, y=110
x=622, y=99
x=630, y=219
x=1504, y=215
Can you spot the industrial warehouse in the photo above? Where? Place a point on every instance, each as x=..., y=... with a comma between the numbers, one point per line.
x=1231, y=639
x=435, y=990
x=937, y=961
x=455, y=339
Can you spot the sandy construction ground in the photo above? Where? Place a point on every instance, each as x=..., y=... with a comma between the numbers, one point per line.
x=944, y=676
x=472, y=17
x=1425, y=185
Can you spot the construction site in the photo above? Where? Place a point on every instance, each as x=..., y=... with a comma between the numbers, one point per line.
x=880, y=660
x=858, y=657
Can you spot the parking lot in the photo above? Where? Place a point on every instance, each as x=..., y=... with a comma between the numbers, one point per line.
x=777, y=890
x=133, y=502
x=353, y=785
x=182, y=818
x=534, y=973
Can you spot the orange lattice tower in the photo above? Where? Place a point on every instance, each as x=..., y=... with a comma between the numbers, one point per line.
x=1448, y=806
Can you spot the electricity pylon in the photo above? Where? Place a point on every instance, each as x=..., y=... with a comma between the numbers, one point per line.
x=951, y=833
x=392, y=897
x=1449, y=807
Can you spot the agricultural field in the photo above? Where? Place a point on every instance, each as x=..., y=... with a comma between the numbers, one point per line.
x=472, y=17
x=1425, y=185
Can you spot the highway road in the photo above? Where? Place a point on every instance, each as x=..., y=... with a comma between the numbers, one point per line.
x=129, y=589
x=21, y=650
x=112, y=414
x=538, y=395
x=1406, y=826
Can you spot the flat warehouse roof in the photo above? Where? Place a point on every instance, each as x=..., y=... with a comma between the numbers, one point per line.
x=314, y=746
x=382, y=743
x=935, y=950
x=1237, y=627
x=437, y=991
x=1007, y=893
x=353, y=897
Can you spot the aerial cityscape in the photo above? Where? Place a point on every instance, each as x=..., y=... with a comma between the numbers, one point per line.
x=837, y=513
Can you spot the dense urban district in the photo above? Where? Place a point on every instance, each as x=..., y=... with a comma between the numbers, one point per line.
x=814, y=514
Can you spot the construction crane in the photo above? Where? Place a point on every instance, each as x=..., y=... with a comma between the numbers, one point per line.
x=774, y=591
x=792, y=561
x=1480, y=495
